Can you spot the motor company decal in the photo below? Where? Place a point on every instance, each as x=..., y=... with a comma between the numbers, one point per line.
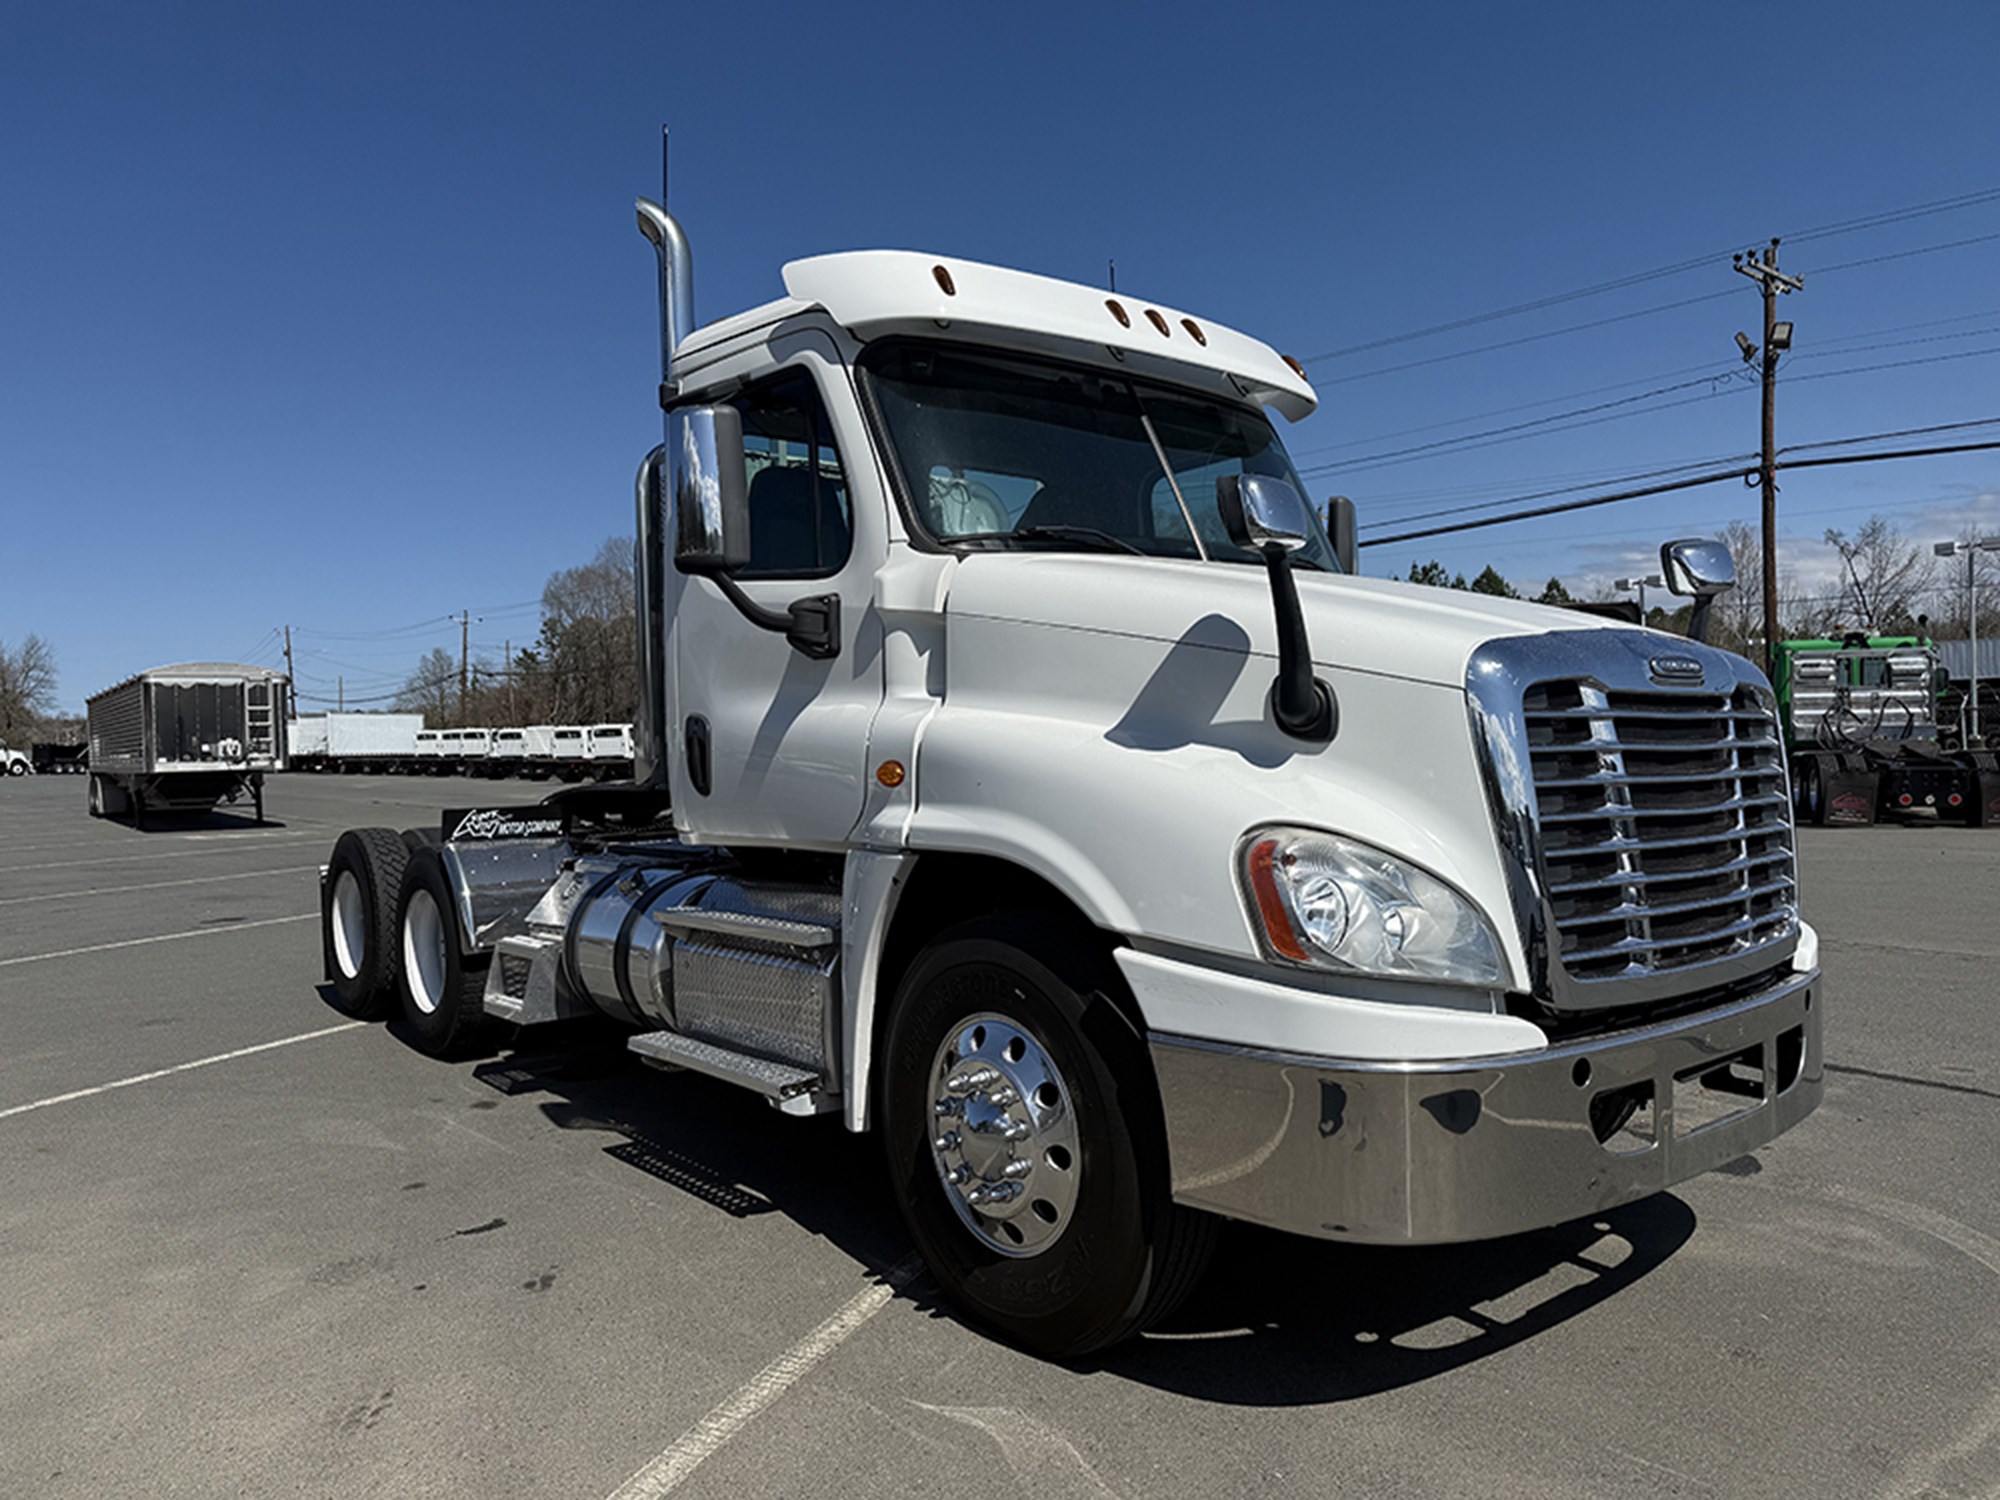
x=484, y=824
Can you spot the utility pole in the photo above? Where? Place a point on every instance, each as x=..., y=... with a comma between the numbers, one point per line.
x=1777, y=338
x=464, y=654
x=341, y=689
x=507, y=656
x=288, y=656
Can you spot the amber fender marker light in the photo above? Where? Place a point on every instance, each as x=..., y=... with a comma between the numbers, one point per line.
x=890, y=773
x=1270, y=905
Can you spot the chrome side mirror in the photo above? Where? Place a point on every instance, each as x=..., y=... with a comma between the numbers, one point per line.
x=1261, y=513
x=1267, y=516
x=706, y=487
x=1697, y=567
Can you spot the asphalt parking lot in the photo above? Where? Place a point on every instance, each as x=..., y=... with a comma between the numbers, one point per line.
x=319, y=1263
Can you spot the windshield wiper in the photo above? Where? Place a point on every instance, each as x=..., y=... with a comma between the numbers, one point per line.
x=1103, y=539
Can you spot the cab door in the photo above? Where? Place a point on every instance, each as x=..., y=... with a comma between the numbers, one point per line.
x=766, y=744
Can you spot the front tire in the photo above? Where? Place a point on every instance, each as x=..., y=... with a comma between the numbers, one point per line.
x=442, y=988
x=1026, y=1146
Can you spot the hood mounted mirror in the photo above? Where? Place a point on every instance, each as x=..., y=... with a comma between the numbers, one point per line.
x=1697, y=568
x=1268, y=517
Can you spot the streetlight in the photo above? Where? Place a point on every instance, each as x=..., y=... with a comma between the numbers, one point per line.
x=1971, y=551
x=1650, y=581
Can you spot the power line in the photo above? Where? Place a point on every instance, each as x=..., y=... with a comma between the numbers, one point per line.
x=1523, y=429
x=1825, y=231
x=1528, y=338
x=1822, y=349
x=1679, y=484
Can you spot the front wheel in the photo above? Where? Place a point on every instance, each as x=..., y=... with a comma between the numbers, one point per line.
x=17, y=768
x=1026, y=1146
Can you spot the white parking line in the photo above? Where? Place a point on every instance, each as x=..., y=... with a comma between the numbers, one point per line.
x=688, y=1452
x=158, y=885
x=168, y=937
x=186, y=1067
x=72, y=864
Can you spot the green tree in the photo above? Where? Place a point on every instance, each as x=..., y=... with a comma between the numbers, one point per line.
x=1555, y=594
x=1490, y=582
x=1433, y=573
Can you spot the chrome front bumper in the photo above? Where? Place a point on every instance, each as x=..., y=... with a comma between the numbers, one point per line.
x=1474, y=1148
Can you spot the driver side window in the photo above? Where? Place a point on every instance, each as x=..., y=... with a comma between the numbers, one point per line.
x=801, y=523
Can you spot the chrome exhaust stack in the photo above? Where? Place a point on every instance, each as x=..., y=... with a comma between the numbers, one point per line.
x=669, y=241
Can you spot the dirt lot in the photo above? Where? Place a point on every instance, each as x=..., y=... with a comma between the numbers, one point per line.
x=250, y=1248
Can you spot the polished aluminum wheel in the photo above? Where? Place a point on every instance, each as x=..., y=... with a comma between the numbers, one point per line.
x=424, y=961
x=1006, y=1143
x=349, y=925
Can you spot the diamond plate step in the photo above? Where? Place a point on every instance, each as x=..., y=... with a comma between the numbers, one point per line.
x=779, y=931
x=793, y=1090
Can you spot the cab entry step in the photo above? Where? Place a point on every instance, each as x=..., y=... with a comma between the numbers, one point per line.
x=794, y=1090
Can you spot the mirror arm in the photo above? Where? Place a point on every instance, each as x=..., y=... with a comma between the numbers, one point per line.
x=1698, y=617
x=811, y=624
x=1303, y=705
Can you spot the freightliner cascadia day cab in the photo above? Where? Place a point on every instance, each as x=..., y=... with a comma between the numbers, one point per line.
x=1023, y=775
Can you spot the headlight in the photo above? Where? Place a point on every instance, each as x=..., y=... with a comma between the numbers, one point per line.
x=1330, y=902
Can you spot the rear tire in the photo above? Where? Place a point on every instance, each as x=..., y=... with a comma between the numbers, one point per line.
x=94, y=798
x=1008, y=1024
x=358, y=920
x=442, y=988
x=1812, y=792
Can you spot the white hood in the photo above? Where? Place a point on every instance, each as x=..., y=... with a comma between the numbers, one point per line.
x=1357, y=624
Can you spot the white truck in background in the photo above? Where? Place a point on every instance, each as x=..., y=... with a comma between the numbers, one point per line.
x=1024, y=775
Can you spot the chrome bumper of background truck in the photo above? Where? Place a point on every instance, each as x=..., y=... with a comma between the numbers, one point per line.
x=1435, y=1152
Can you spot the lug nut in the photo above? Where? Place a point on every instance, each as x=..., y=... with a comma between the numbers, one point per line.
x=1020, y=1166
x=948, y=1108
x=998, y=1192
x=958, y=1175
x=972, y=1078
x=946, y=1142
x=1003, y=1096
x=1017, y=1130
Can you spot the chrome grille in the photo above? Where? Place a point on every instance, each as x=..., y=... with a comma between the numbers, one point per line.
x=1664, y=826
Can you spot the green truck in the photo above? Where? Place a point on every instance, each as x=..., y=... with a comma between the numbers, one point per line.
x=1861, y=729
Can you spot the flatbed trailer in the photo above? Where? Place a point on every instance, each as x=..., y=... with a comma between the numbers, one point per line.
x=183, y=738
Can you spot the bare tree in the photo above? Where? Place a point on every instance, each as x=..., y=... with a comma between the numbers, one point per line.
x=588, y=636
x=432, y=689
x=1885, y=575
x=27, y=686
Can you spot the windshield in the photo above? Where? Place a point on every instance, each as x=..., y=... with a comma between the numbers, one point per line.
x=1001, y=451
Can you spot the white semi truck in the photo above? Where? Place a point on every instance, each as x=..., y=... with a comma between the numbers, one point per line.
x=1023, y=774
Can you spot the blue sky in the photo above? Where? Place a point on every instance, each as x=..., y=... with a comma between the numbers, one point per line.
x=336, y=317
